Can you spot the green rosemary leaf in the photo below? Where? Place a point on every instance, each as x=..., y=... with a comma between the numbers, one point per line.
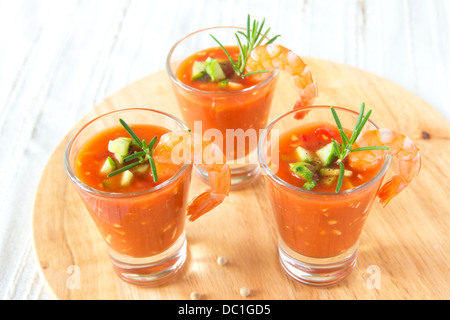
x=254, y=29
x=152, y=144
x=226, y=52
x=358, y=121
x=262, y=38
x=147, y=151
x=341, y=177
x=153, y=168
x=336, y=119
x=131, y=132
x=336, y=148
x=244, y=35
x=370, y=148
x=248, y=27
x=242, y=54
x=362, y=124
x=133, y=156
x=125, y=168
x=344, y=149
x=144, y=146
x=273, y=39
x=254, y=72
x=254, y=36
x=261, y=27
x=344, y=137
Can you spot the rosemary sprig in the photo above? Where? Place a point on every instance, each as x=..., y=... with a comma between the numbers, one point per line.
x=254, y=38
x=344, y=149
x=145, y=154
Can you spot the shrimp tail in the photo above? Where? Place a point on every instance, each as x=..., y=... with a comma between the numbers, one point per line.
x=204, y=203
x=219, y=174
x=182, y=147
x=307, y=98
x=391, y=189
x=401, y=148
x=307, y=95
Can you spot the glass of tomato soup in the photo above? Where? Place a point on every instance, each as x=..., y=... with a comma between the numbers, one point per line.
x=141, y=221
x=228, y=109
x=318, y=228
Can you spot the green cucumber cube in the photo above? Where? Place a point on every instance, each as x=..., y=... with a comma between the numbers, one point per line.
x=328, y=180
x=214, y=70
x=301, y=169
x=119, y=146
x=326, y=154
x=108, y=166
x=330, y=172
x=142, y=168
x=198, y=70
x=309, y=185
x=303, y=154
x=126, y=178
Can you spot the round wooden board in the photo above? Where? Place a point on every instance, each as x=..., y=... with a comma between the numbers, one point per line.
x=404, y=248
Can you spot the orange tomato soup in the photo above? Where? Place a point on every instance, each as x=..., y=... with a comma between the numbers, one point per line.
x=91, y=159
x=184, y=72
x=313, y=137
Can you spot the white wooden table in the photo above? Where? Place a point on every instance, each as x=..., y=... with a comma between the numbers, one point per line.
x=58, y=59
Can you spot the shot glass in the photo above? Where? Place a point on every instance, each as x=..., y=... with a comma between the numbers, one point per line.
x=144, y=231
x=318, y=232
x=233, y=119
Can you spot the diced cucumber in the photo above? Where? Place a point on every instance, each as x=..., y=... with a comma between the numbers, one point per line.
x=235, y=86
x=303, y=154
x=305, y=171
x=326, y=154
x=330, y=172
x=300, y=169
x=309, y=185
x=213, y=68
x=119, y=146
x=198, y=70
x=142, y=168
x=126, y=178
x=223, y=84
x=108, y=166
x=328, y=180
x=119, y=158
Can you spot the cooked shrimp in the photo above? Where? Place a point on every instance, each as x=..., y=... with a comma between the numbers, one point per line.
x=400, y=147
x=181, y=147
x=274, y=56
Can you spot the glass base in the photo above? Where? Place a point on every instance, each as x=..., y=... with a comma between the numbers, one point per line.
x=317, y=271
x=150, y=271
x=241, y=175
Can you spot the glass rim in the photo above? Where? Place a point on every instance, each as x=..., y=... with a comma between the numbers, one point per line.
x=264, y=166
x=272, y=74
x=70, y=172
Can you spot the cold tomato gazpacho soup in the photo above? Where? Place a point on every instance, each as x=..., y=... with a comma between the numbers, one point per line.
x=141, y=224
x=211, y=70
x=322, y=223
x=223, y=100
